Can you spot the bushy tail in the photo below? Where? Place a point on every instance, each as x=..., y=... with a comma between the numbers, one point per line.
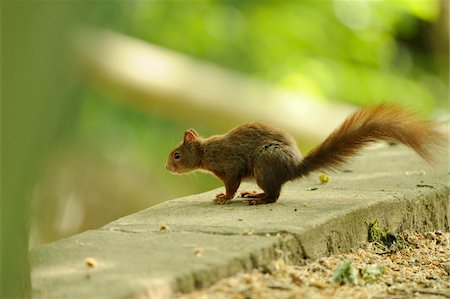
x=382, y=122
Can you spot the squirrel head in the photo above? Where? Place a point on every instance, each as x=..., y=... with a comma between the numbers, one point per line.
x=187, y=156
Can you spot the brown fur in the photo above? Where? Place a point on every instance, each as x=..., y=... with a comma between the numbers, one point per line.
x=383, y=122
x=271, y=156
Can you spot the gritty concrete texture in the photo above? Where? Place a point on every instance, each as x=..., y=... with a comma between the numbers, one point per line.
x=189, y=243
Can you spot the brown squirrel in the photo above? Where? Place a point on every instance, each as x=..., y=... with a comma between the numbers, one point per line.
x=271, y=156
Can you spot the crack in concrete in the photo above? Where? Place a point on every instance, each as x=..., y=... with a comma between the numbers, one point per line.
x=121, y=230
x=283, y=238
x=269, y=233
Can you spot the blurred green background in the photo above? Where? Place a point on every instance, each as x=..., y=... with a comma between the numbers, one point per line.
x=109, y=161
x=108, y=158
x=354, y=51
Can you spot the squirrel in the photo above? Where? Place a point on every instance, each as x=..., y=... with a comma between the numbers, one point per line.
x=271, y=156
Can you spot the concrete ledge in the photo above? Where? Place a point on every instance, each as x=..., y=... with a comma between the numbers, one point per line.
x=205, y=242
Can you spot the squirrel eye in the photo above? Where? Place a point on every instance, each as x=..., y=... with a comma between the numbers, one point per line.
x=177, y=155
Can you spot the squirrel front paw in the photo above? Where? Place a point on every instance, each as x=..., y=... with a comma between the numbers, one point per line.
x=222, y=198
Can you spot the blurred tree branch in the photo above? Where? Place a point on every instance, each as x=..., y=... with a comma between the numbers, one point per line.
x=182, y=87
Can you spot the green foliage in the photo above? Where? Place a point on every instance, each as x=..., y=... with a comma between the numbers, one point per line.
x=356, y=51
x=376, y=234
x=345, y=274
x=372, y=273
x=385, y=238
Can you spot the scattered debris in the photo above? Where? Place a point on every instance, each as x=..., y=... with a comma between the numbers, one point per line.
x=198, y=251
x=418, y=172
x=319, y=285
x=90, y=262
x=323, y=178
x=163, y=228
x=312, y=189
x=431, y=292
x=372, y=273
x=424, y=185
x=279, y=287
x=447, y=269
x=396, y=274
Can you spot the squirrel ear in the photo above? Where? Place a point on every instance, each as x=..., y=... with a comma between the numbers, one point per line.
x=190, y=136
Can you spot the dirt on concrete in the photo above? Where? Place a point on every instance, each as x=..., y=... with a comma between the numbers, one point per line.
x=408, y=265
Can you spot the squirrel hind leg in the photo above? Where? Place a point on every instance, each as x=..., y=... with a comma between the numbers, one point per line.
x=273, y=166
x=252, y=194
x=271, y=192
x=261, y=198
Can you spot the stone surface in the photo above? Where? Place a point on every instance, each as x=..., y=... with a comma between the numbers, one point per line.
x=189, y=242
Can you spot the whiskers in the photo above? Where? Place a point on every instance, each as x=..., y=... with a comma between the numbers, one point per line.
x=193, y=177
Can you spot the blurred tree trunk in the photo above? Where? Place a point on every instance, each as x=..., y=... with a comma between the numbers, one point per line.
x=34, y=97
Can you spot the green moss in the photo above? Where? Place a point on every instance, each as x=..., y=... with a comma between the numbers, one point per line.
x=345, y=274
x=384, y=236
x=372, y=273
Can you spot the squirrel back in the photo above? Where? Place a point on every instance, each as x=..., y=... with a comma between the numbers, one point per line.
x=367, y=125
